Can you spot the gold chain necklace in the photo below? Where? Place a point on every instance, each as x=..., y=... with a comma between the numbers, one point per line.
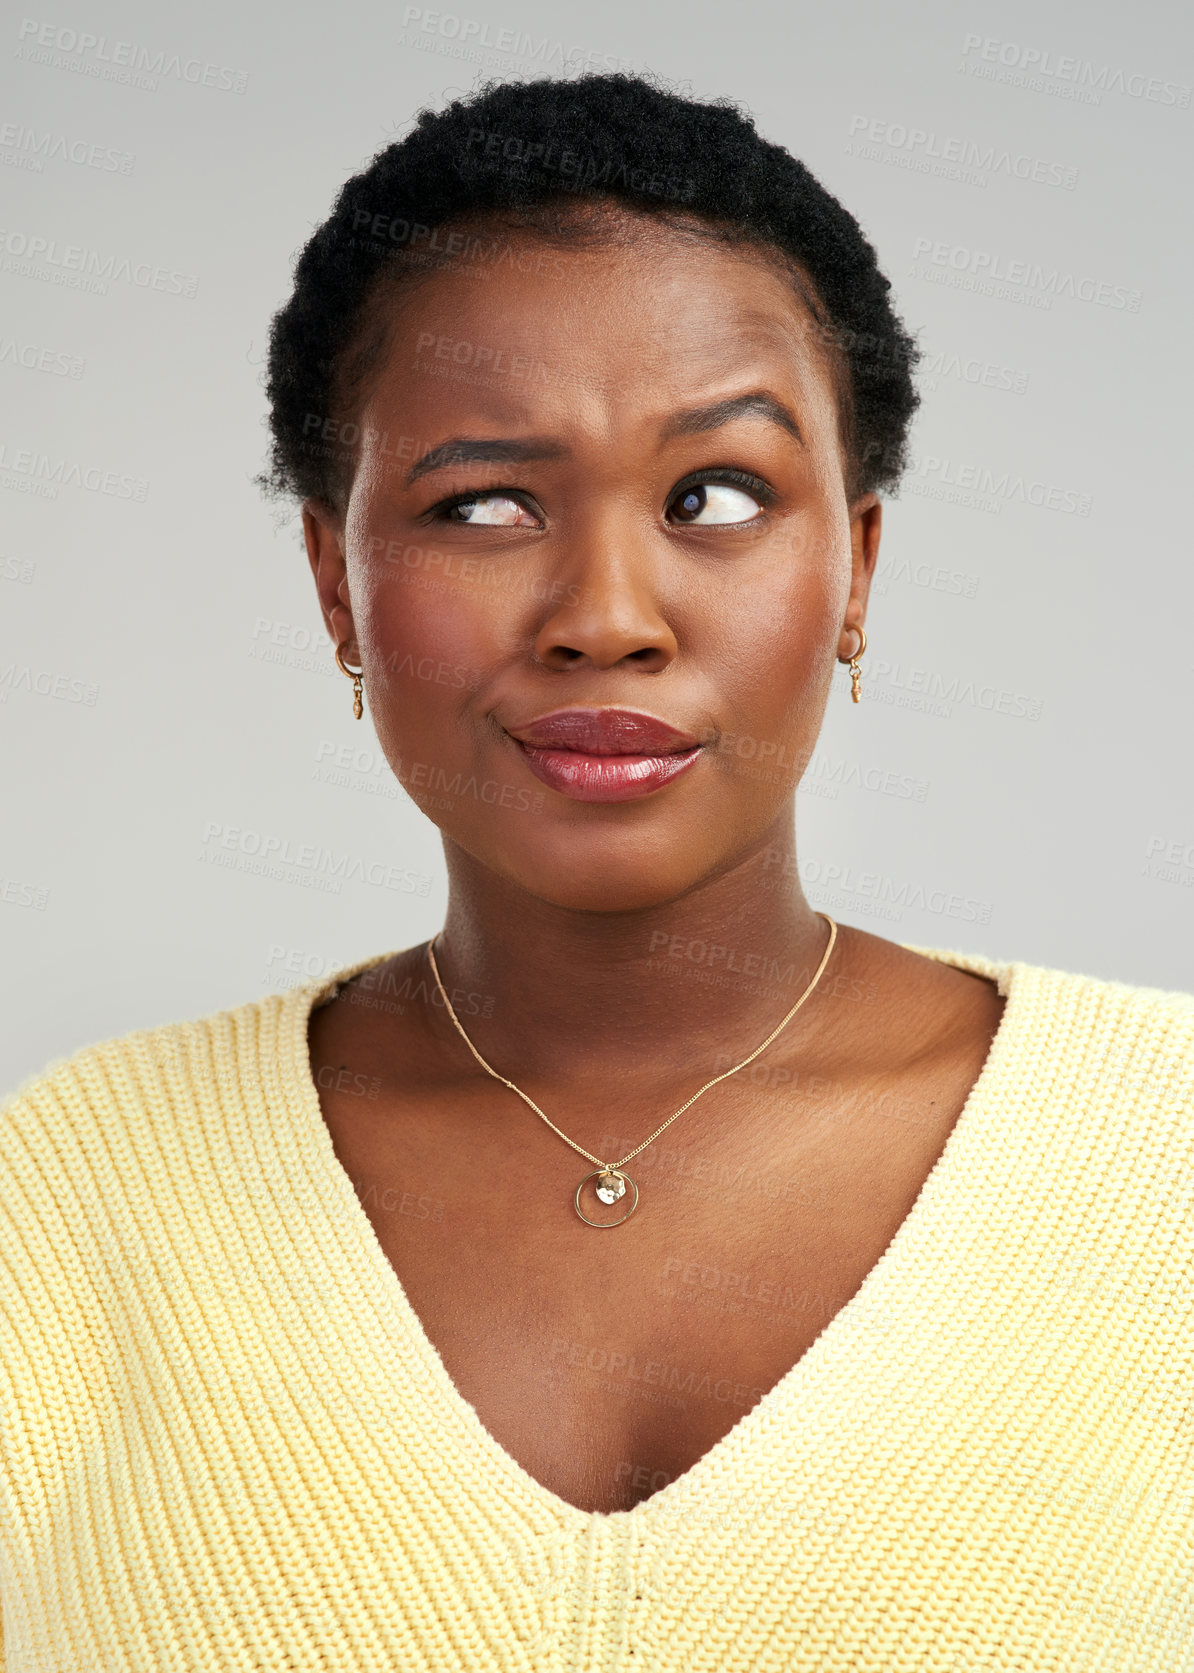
x=611, y=1181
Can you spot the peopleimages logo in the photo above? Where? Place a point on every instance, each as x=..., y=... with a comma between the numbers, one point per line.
x=992, y=275
x=468, y=37
x=31, y=467
x=36, y=358
x=985, y=374
x=16, y=893
x=1171, y=860
x=890, y=898
x=28, y=148
x=971, y=160
x=42, y=683
x=34, y=257
x=999, y=487
x=932, y=692
x=61, y=47
x=1038, y=67
x=303, y=862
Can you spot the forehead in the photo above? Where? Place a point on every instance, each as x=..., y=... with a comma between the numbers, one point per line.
x=616, y=328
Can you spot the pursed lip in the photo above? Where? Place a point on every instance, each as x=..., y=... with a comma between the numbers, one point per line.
x=603, y=732
x=604, y=755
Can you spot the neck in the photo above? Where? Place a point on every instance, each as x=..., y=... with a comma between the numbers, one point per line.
x=569, y=994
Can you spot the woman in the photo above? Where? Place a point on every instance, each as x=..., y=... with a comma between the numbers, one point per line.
x=313, y=1357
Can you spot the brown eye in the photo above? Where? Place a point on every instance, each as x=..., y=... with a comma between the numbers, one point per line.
x=493, y=510
x=714, y=502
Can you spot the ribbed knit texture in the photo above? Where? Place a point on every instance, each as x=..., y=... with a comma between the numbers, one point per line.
x=229, y=1445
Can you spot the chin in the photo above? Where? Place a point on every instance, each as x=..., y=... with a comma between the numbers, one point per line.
x=598, y=874
x=606, y=891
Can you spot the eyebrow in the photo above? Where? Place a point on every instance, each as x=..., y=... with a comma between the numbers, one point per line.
x=757, y=404
x=471, y=450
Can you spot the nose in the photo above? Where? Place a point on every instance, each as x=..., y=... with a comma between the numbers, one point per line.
x=605, y=612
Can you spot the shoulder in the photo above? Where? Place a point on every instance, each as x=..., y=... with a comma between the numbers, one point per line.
x=181, y=1072
x=114, y=1084
x=1093, y=1031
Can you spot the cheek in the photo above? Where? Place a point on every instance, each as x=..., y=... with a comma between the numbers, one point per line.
x=406, y=620
x=779, y=632
x=431, y=631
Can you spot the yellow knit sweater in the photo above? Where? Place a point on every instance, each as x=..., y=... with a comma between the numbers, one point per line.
x=226, y=1442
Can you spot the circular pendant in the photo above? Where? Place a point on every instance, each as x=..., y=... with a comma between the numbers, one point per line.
x=610, y=1188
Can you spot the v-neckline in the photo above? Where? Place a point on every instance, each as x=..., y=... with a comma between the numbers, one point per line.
x=717, y=1461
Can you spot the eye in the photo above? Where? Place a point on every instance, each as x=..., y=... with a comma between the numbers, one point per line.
x=705, y=503
x=493, y=510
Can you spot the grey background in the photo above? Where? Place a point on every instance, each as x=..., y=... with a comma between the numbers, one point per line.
x=1017, y=782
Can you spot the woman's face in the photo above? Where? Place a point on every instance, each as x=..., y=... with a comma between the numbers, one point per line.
x=597, y=558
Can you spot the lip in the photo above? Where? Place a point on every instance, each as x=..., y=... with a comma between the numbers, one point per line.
x=605, y=755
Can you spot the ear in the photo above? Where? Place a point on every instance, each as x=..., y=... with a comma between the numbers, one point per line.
x=323, y=532
x=866, y=524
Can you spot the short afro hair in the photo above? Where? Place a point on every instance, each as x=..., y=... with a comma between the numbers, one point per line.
x=530, y=153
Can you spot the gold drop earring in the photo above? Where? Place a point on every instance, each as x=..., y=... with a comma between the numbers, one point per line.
x=855, y=670
x=354, y=675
